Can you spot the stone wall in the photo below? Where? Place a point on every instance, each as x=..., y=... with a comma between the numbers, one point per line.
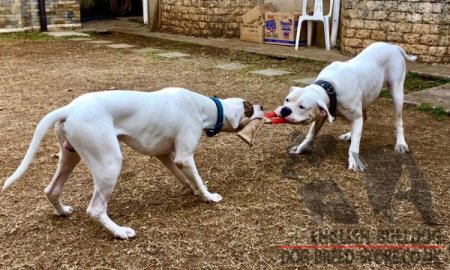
x=23, y=15
x=420, y=27
x=208, y=18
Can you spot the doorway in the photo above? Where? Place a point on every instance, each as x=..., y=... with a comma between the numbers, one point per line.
x=111, y=9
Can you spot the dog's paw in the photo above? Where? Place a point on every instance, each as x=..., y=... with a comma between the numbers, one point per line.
x=346, y=136
x=401, y=148
x=124, y=233
x=303, y=148
x=293, y=149
x=194, y=190
x=213, y=197
x=65, y=211
x=354, y=163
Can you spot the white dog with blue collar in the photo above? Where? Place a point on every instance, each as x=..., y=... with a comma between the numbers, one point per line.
x=167, y=124
x=348, y=88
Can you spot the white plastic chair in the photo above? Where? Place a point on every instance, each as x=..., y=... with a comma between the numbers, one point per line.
x=316, y=16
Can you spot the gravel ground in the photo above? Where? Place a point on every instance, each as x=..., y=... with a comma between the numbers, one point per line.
x=270, y=198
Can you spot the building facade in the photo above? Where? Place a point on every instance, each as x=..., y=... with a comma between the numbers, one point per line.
x=23, y=15
x=421, y=27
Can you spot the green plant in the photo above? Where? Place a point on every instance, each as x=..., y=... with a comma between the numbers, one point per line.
x=425, y=107
x=384, y=93
x=439, y=113
x=36, y=36
x=248, y=69
x=415, y=82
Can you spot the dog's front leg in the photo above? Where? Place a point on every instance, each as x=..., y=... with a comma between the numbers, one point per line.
x=167, y=160
x=186, y=164
x=354, y=163
x=306, y=145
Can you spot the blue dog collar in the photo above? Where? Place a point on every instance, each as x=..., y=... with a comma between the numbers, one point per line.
x=219, y=123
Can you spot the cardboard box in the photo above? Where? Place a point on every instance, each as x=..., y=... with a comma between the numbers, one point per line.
x=281, y=29
x=257, y=13
x=252, y=32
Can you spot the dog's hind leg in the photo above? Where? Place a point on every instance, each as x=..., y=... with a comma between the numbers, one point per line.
x=97, y=144
x=67, y=162
x=167, y=160
x=396, y=91
x=348, y=136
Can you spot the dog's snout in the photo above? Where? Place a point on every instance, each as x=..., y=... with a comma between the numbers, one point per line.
x=285, y=111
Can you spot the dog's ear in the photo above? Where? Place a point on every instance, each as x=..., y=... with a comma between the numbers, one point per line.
x=324, y=111
x=294, y=88
x=248, y=109
x=234, y=113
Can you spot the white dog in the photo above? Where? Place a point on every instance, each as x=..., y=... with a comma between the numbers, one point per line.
x=348, y=88
x=167, y=124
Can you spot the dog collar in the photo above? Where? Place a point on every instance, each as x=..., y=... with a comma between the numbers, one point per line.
x=219, y=123
x=331, y=92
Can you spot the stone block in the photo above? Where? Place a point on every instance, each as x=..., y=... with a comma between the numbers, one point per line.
x=350, y=32
x=397, y=16
x=378, y=35
x=364, y=13
x=429, y=59
x=411, y=38
x=403, y=27
x=367, y=42
x=356, y=24
x=390, y=5
x=442, y=18
x=271, y=72
x=351, y=14
x=428, y=39
x=437, y=51
x=380, y=15
x=418, y=49
x=436, y=29
x=444, y=40
x=353, y=42
x=363, y=33
x=387, y=26
x=394, y=37
x=424, y=8
x=372, y=25
x=420, y=28
x=416, y=17
x=351, y=51
x=437, y=7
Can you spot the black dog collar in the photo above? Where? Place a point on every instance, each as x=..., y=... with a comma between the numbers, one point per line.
x=219, y=123
x=331, y=92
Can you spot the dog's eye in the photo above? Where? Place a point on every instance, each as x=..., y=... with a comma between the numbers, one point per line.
x=287, y=100
x=302, y=107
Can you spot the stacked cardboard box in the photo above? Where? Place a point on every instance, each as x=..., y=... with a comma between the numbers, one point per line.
x=252, y=28
x=281, y=28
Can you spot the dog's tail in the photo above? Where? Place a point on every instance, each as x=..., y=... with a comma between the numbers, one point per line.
x=41, y=129
x=410, y=58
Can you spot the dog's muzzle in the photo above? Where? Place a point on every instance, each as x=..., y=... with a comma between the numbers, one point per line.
x=285, y=111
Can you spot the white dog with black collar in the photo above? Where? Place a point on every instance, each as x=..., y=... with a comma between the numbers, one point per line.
x=357, y=82
x=167, y=124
